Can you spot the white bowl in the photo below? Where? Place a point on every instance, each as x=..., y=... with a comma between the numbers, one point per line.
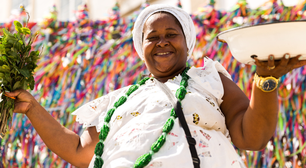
x=264, y=39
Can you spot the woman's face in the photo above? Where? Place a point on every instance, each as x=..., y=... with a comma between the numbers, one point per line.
x=164, y=46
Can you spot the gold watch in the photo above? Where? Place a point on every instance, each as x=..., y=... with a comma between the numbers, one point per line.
x=266, y=84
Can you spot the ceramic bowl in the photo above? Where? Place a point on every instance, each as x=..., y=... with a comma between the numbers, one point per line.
x=262, y=40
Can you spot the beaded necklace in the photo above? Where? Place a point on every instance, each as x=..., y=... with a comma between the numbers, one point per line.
x=143, y=160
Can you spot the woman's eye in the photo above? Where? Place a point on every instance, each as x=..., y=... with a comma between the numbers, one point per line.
x=151, y=38
x=171, y=35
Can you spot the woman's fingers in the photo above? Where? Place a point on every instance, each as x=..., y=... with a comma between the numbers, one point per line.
x=271, y=64
x=13, y=94
x=298, y=63
x=284, y=61
x=22, y=107
x=258, y=63
x=292, y=63
x=9, y=96
x=278, y=68
x=23, y=100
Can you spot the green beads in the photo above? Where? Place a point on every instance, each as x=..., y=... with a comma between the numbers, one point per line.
x=180, y=93
x=98, y=162
x=99, y=149
x=159, y=143
x=143, y=81
x=132, y=89
x=109, y=115
x=172, y=113
x=185, y=77
x=184, y=82
x=184, y=73
x=135, y=87
x=143, y=160
x=169, y=125
x=121, y=100
x=104, y=131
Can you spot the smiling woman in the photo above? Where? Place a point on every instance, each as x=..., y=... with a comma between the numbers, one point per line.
x=164, y=46
x=137, y=126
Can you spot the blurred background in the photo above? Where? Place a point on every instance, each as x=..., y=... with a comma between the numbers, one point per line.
x=99, y=9
x=87, y=51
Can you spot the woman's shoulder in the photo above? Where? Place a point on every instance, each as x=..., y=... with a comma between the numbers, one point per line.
x=207, y=78
x=89, y=113
x=210, y=66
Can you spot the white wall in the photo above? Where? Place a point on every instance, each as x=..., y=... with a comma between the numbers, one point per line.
x=99, y=9
x=5, y=10
x=42, y=8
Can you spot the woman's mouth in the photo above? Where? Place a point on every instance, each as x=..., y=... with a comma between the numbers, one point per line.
x=163, y=53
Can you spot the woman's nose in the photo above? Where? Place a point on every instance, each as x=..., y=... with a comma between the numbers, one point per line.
x=162, y=42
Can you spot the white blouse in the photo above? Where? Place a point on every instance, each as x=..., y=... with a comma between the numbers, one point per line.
x=137, y=124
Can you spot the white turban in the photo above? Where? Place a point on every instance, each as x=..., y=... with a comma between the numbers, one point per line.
x=182, y=16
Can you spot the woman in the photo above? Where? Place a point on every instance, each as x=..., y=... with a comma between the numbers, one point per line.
x=216, y=110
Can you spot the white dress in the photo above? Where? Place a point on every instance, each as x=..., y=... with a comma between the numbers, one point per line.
x=136, y=125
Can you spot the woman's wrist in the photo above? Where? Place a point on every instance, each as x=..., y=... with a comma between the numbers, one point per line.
x=266, y=84
x=32, y=106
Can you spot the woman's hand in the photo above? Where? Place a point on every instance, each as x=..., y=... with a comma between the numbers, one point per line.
x=62, y=141
x=23, y=100
x=278, y=68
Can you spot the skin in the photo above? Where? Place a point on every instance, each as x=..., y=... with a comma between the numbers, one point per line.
x=161, y=35
x=251, y=122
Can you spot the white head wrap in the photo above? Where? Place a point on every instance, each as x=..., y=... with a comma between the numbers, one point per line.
x=182, y=16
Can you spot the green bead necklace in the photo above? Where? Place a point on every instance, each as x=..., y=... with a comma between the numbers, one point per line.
x=145, y=159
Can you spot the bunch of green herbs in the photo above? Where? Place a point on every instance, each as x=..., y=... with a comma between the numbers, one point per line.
x=17, y=64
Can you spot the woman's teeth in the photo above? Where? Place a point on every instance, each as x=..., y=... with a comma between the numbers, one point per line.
x=163, y=53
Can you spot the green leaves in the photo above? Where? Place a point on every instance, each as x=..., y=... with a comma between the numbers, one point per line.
x=3, y=58
x=25, y=72
x=5, y=68
x=17, y=24
x=2, y=49
x=31, y=82
x=6, y=33
x=20, y=29
x=26, y=30
x=17, y=61
x=17, y=85
x=17, y=64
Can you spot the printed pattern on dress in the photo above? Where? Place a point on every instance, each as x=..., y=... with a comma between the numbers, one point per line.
x=172, y=144
x=172, y=134
x=156, y=164
x=203, y=144
x=205, y=154
x=211, y=102
x=94, y=104
x=196, y=118
x=208, y=99
x=135, y=114
x=194, y=134
x=207, y=136
x=118, y=117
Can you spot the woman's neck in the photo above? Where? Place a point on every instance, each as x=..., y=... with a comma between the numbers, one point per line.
x=164, y=79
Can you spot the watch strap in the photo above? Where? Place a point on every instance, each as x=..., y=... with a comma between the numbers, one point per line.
x=260, y=80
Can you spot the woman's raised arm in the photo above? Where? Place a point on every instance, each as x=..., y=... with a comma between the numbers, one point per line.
x=62, y=141
x=252, y=122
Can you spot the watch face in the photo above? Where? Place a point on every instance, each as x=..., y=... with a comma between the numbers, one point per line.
x=269, y=85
